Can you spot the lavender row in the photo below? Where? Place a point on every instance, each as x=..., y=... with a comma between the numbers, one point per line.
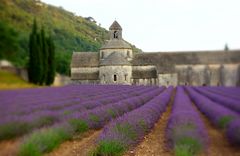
x=226, y=91
x=54, y=94
x=230, y=90
x=223, y=100
x=185, y=130
x=36, y=93
x=98, y=117
x=127, y=130
x=47, y=117
x=108, y=100
x=58, y=105
x=74, y=106
x=19, y=126
x=219, y=115
x=22, y=108
x=94, y=119
x=233, y=132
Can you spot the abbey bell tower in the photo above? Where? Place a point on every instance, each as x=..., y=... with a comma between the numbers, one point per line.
x=116, y=43
x=115, y=31
x=115, y=58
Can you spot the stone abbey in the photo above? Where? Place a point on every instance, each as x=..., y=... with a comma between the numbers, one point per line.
x=117, y=64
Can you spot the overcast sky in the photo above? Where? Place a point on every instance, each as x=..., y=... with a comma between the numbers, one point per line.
x=166, y=25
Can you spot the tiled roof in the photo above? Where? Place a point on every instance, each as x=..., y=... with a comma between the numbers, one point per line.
x=115, y=58
x=85, y=59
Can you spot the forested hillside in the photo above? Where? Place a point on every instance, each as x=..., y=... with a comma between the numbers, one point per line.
x=70, y=32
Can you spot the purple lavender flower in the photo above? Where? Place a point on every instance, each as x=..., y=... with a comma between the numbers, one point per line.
x=130, y=128
x=233, y=132
x=217, y=113
x=40, y=107
x=226, y=101
x=185, y=131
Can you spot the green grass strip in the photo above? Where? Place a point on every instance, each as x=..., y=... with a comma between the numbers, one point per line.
x=187, y=146
x=14, y=129
x=224, y=121
x=108, y=148
x=44, y=141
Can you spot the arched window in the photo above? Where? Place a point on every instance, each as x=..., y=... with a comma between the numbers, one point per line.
x=114, y=77
x=128, y=53
x=125, y=76
x=115, y=34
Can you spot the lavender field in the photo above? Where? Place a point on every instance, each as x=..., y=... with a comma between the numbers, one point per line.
x=120, y=119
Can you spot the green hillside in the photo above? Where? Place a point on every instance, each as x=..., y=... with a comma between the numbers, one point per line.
x=70, y=32
x=12, y=81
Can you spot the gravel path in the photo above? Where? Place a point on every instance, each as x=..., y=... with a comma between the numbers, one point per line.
x=9, y=147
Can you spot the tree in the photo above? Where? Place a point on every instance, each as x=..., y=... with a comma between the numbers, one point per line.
x=41, y=57
x=8, y=42
x=44, y=52
x=32, y=72
x=226, y=47
x=39, y=60
x=51, y=61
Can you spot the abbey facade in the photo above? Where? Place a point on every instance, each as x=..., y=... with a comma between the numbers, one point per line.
x=117, y=64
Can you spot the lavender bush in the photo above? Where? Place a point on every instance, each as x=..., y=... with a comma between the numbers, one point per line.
x=233, y=132
x=35, y=111
x=185, y=131
x=92, y=119
x=221, y=116
x=97, y=118
x=130, y=128
x=218, y=114
x=220, y=99
x=231, y=92
x=45, y=140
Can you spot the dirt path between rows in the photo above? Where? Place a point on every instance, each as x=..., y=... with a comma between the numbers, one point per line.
x=154, y=144
x=79, y=146
x=9, y=147
x=218, y=143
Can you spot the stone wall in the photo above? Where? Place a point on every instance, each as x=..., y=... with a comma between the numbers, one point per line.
x=215, y=74
x=85, y=81
x=147, y=81
x=85, y=70
x=61, y=80
x=230, y=74
x=85, y=73
x=148, y=67
x=168, y=79
x=212, y=74
x=198, y=75
x=182, y=72
x=122, y=74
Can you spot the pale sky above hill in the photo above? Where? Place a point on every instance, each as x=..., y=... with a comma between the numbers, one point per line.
x=166, y=25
